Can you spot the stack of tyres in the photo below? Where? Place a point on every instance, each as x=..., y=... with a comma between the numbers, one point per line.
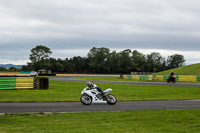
x=44, y=83
x=41, y=83
x=7, y=83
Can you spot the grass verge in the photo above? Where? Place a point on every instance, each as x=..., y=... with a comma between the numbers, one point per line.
x=64, y=91
x=120, y=79
x=105, y=79
x=173, y=121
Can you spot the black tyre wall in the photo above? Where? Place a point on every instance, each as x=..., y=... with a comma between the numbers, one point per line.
x=41, y=83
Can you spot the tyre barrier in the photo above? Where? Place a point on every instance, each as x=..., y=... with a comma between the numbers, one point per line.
x=198, y=78
x=41, y=83
x=138, y=77
x=20, y=83
x=162, y=77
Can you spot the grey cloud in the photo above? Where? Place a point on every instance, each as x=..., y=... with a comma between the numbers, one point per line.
x=78, y=24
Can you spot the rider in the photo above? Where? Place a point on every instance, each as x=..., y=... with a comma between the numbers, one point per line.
x=172, y=75
x=90, y=85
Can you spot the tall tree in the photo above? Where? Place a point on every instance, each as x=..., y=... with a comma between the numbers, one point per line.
x=113, y=63
x=92, y=59
x=79, y=64
x=175, y=61
x=68, y=66
x=97, y=58
x=2, y=69
x=13, y=69
x=139, y=61
x=154, y=62
x=40, y=57
x=125, y=61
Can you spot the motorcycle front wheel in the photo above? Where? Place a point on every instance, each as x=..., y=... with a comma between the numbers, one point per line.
x=86, y=100
x=111, y=99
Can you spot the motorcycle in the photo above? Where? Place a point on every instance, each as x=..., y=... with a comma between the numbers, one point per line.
x=89, y=96
x=171, y=78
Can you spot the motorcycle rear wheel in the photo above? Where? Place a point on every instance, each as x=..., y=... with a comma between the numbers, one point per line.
x=86, y=100
x=111, y=99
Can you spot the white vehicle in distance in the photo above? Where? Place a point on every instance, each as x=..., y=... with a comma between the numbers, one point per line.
x=33, y=73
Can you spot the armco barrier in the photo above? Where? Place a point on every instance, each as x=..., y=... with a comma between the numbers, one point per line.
x=150, y=77
x=144, y=77
x=198, y=78
x=162, y=77
x=19, y=83
x=165, y=77
x=187, y=78
x=138, y=77
x=159, y=77
x=124, y=76
x=129, y=77
x=135, y=77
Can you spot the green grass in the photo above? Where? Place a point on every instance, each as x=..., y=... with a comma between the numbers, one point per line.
x=193, y=69
x=120, y=79
x=64, y=91
x=104, y=79
x=159, y=121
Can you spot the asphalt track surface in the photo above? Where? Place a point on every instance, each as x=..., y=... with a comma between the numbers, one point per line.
x=78, y=107
x=120, y=106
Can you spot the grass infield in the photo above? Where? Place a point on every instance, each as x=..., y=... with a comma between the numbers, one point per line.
x=64, y=91
x=158, y=121
x=120, y=79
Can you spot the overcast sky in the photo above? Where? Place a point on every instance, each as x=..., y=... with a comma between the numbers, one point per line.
x=72, y=27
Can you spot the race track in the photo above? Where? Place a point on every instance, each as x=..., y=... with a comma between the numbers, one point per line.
x=120, y=106
x=78, y=107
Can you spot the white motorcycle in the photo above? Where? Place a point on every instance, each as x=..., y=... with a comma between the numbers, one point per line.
x=89, y=96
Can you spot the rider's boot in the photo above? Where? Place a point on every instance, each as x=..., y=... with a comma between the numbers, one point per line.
x=103, y=95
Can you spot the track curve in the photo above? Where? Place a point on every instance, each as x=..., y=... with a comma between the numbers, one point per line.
x=73, y=79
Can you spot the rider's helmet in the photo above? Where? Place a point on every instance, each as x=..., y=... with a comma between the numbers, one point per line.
x=89, y=84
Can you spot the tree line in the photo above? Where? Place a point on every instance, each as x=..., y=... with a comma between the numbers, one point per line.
x=102, y=60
